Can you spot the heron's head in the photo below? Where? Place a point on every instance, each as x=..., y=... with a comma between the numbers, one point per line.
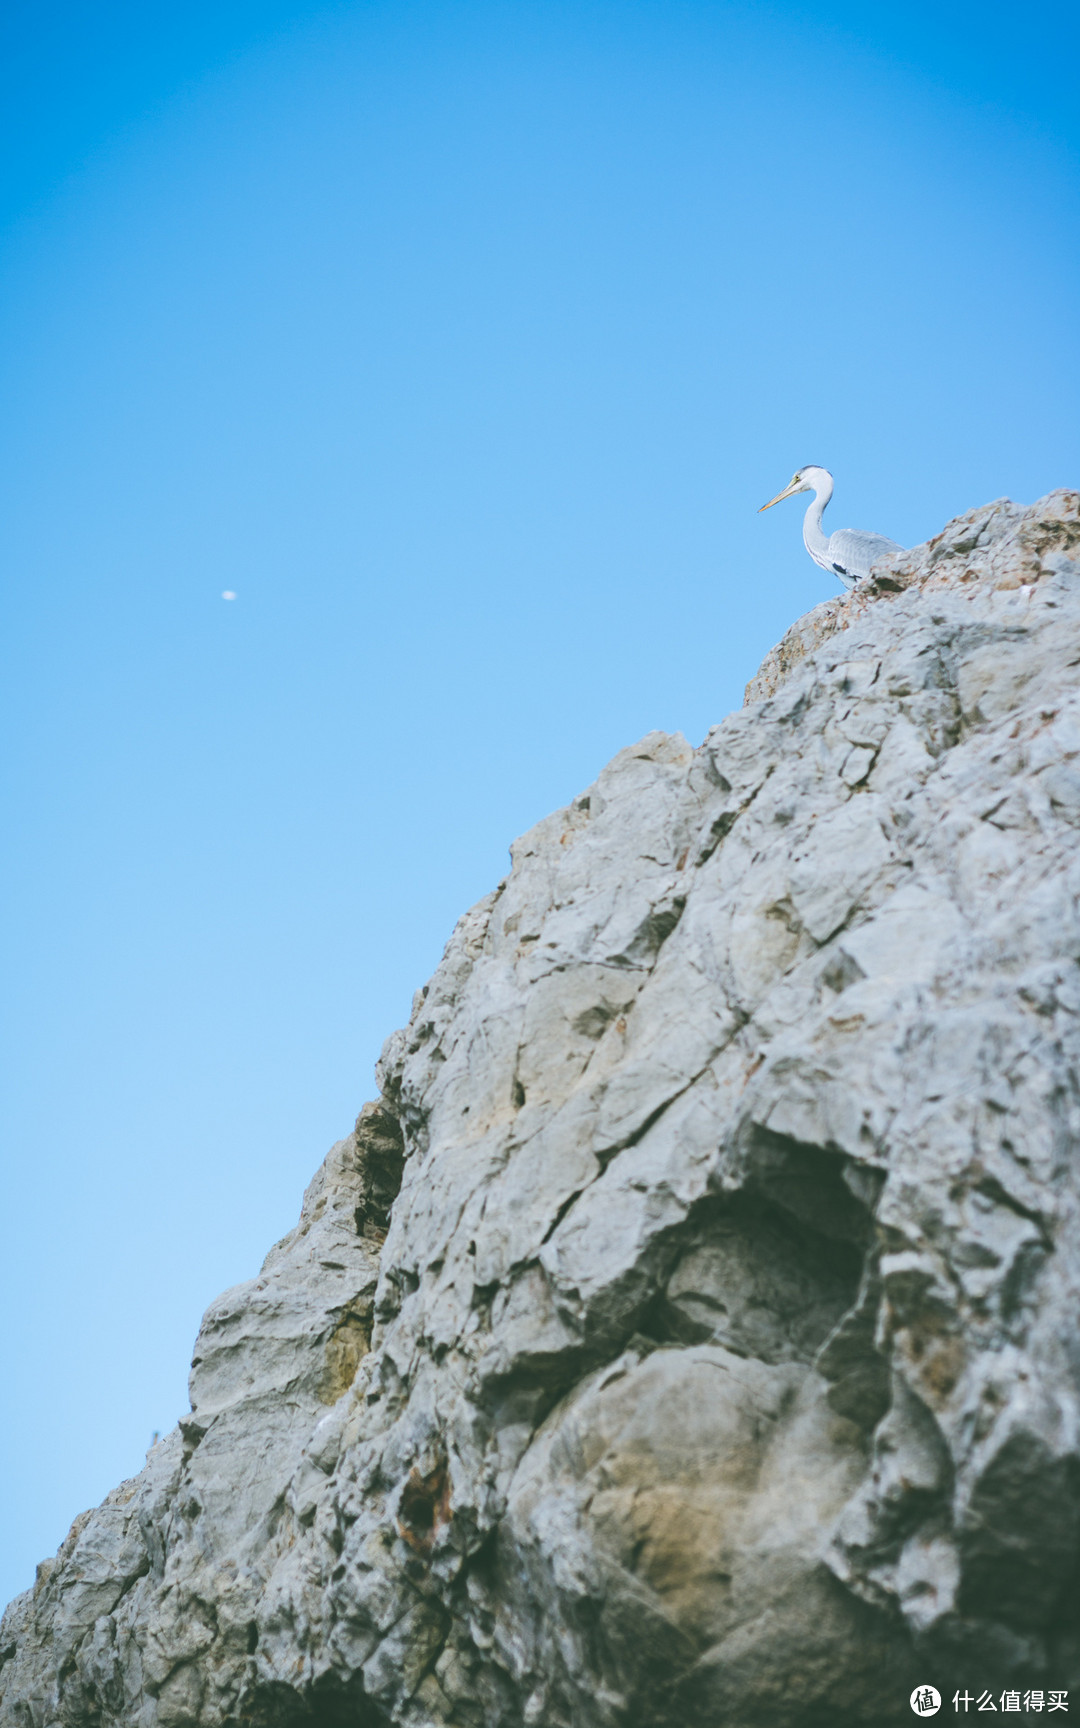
x=808, y=479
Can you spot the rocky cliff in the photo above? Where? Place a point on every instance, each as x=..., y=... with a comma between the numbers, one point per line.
x=688, y=1336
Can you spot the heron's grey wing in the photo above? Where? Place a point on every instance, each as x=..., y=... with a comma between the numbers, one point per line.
x=852, y=551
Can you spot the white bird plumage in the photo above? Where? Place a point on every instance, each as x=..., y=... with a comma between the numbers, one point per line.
x=849, y=552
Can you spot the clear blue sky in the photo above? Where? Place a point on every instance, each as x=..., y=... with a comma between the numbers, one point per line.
x=461, y=341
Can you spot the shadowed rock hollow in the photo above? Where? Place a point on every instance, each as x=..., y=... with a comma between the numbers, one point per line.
x=689, y=1333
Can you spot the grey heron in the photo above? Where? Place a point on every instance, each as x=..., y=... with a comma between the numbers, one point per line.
x=847, y=553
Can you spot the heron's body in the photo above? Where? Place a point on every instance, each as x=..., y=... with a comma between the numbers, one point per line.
x=847, y=553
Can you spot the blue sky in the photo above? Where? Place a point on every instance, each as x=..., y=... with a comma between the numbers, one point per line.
x=461, y=342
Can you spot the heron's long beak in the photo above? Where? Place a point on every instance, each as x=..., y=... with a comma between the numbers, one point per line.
x=792, y=486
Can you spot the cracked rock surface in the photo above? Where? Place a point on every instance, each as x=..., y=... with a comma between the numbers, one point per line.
x=689, y=1333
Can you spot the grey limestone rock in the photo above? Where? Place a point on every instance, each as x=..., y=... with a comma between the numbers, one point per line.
x=689, y=1334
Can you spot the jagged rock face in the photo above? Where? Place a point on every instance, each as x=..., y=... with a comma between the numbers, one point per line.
x=720, y=1363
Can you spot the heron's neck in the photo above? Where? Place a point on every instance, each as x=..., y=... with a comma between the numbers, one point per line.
x=815, y=539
